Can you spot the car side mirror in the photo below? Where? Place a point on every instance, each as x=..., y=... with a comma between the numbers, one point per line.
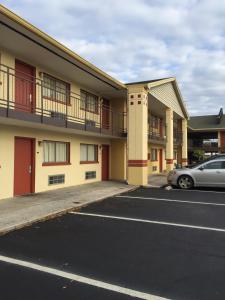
x=201, y=168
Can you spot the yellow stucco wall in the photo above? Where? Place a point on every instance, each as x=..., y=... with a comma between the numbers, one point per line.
x=74, y=173
x=152, y=164
x=118, y=159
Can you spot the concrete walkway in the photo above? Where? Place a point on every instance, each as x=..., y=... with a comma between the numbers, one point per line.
x=157, y=180
x=21, y=211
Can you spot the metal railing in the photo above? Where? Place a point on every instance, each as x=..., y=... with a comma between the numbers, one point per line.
x=156, y=136
x=29, y=98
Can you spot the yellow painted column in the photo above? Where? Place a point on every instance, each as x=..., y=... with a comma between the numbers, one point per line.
x=137, y=135
x=169, y=139
x=184, y=143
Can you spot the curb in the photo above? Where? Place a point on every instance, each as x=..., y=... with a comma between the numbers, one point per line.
x=61, y=212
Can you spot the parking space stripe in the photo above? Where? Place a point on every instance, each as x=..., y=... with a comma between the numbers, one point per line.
x=171, y=200
x=198, y=191
x=81, y=279
x=149, y=221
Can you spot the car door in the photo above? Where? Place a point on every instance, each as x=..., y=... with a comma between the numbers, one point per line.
x=210, y=174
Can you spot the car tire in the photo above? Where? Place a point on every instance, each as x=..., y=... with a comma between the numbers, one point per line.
x=185, y=182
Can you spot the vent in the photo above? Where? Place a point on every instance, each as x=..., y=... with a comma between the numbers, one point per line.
x=57, y=115
x=90, y=123
x=90, y=175
x=56, y=179
x=154, y=168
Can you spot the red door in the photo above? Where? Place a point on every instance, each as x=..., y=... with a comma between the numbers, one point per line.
x=222, y=141
x=105, y=114
x=160, y=160
x=24, y=87
x=24, y=166
x=105, y=162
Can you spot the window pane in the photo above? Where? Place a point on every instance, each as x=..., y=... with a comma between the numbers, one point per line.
x=49, y=152
x=82, y=100
x=83, y=152
x=49, y=87
x=61, y=90
x=91, y=153
x=61, y=152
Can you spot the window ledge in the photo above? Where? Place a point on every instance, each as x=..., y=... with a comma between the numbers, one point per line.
x=56, y=164
x=88, y=162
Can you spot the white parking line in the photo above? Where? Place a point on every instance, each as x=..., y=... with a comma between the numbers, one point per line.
x=81, y=279
x=172, y=200
x=149, y=221
x=199, y=191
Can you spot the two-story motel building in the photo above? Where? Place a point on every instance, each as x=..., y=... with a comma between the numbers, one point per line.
x=64, y=122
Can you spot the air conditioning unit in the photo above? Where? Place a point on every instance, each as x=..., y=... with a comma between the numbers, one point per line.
x=57, y=115
x=90, y=123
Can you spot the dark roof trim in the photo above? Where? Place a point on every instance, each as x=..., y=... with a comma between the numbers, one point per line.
x=147, y=81
x=55, y=53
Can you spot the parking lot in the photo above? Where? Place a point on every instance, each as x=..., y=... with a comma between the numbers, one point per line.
x=145, y=244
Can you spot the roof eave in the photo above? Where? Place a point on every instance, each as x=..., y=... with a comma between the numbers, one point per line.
x=11, y=15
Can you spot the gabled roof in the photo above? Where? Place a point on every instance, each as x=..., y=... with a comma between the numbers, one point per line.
x=156, y=82
x=208, y=122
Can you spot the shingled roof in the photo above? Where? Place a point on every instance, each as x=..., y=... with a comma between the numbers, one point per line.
x=207, y=122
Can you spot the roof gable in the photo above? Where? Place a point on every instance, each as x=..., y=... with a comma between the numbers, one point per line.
x=167, y=94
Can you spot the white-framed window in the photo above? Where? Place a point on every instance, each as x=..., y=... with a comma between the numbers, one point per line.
x=154, y=154
x=88, y=153
x=56, y=153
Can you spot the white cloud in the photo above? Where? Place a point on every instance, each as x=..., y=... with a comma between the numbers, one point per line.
x=143, y=39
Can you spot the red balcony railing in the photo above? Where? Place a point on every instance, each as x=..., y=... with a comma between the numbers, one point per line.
x=31, y=99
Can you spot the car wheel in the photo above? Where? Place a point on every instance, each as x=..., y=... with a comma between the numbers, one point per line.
x=185, y=182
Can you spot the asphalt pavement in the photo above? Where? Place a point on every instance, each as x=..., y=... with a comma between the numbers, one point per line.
x=149, y=242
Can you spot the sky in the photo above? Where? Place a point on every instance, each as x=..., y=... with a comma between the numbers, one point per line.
x=136, y=40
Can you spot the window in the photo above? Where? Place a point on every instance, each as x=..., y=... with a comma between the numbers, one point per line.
x=56, y=179
x=90, y=175
x=89, y=102
x=215, y=165
x=88, y=153
x=175, y=155
x=56, y=89
x=55, y=153
x=154, y=155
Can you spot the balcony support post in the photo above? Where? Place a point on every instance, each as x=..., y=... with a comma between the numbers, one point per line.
x=8, y=91
x=169, y=140
x=137, y=136
x=184, y=143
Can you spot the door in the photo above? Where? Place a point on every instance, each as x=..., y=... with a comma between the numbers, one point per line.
x=24, y=87
x=210, y=174
x=105, y=162
x=105, y=114
x=24, y=166
x=160, y=160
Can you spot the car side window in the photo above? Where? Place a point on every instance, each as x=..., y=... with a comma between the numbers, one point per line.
x=215, y=165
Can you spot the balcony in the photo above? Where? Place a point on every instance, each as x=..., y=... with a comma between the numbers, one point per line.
x=205, y=146
x=28, y=98
x=156, y=137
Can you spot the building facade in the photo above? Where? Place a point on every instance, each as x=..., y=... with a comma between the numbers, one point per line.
x=206, y=134
x=64, y=122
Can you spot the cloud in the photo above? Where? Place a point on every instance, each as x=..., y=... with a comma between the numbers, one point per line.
x=143, y=39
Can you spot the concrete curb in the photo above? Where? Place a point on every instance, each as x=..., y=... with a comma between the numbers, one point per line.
x=61, y=212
